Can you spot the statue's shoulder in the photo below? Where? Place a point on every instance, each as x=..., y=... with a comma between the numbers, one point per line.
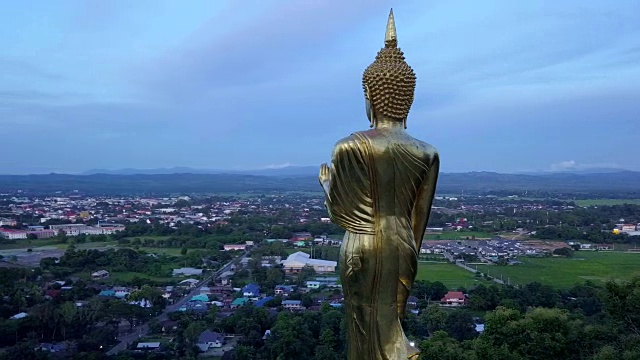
x=350, y=141
x=427, y=151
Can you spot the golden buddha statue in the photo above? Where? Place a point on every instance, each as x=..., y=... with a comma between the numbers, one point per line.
x=379, y=188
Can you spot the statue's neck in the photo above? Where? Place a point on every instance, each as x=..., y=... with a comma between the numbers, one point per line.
x=386, y=123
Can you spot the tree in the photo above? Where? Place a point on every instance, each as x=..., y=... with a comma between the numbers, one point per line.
x=460, y=325
x=67, y=315
x=191, y=334
x=540, y=334
x=565, y=251
x=291, y=338
x=434, y=319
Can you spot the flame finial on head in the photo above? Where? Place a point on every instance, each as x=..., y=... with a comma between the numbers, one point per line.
x=390, y=37
x=389, y=82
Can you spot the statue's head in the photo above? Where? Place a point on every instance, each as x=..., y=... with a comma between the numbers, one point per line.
x=389, y=82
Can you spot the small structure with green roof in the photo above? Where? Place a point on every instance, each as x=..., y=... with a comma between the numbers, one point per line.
x=201, y=297
x=239, y=302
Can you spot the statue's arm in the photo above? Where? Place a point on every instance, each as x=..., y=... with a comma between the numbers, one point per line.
x=422, y=208
x=325, y=178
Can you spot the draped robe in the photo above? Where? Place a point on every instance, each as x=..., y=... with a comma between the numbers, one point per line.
x=377, y=179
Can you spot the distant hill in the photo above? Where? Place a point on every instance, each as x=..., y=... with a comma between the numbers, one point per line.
x=283, y=171
x=615, y=183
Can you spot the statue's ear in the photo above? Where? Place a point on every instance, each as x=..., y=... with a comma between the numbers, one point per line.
x=369, y=106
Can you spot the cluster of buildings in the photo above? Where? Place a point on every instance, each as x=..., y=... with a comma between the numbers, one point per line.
x=42, y=232
x=629, y=229
x=484, y=250
x=77, y=210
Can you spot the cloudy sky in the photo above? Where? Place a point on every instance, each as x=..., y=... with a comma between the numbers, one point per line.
x=502, y=85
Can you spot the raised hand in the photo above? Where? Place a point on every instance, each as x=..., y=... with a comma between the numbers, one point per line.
x=325, y=174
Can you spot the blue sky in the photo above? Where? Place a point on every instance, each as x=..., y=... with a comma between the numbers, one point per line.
x=502, y=85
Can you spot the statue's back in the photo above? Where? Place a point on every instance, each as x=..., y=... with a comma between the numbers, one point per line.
x=402, y=164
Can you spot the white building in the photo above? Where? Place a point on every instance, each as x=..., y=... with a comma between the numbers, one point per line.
x=187, y=271
x=292, y=304
x=233, y=247
x=298, y=260
x=13, y=234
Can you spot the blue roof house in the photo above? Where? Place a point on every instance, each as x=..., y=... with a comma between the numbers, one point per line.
x=261, y=302
x=251, y=290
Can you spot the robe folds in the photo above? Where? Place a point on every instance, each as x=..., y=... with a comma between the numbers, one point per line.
x=375, y=180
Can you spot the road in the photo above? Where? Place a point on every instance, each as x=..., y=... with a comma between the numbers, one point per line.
x=464, y=266
x=143, y=329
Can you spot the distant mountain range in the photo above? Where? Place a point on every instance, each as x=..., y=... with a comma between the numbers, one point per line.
x=304, y=178
x=282, y=171
x=297, y=171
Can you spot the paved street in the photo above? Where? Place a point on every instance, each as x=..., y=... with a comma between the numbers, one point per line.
x=143, y=329
x=464, y=266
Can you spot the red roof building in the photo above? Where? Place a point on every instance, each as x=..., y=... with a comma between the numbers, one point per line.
x=454, y=298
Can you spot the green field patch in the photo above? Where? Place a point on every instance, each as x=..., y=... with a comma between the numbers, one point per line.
x=596, y=266
x=603, y=202
x=158, y=250
x=452, y=276
x=129, y=275
x=28, y=244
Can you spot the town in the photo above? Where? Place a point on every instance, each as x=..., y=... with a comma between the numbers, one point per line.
x=182, y=275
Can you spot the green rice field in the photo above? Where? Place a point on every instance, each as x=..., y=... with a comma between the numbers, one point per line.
x=602, y=202
x=597, y=266
x=449, y=274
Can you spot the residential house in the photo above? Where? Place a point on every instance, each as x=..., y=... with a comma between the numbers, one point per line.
x=201, y=297
x=196, y=307
x=292, y=304
x=187, y=271
x=235, y=247
x=169, y=325
x=283, y=290
x=148, y=346
x=238, y=302
x=121, y=292
x=301, y=236
x=251, y=290
x=100, y=274
x=209, y=339
x=454, y=298
x=54, y=348
x=189, y=282
x=263, y=301
x=107, y=293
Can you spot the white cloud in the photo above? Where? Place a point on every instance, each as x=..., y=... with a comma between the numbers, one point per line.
x=277, y=166
x=572, y=165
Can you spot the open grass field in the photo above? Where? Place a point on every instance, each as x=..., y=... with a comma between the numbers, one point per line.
x=25, y=244
x=601, y=202
x=119, y=277
x=449, y=274
x=597, y=266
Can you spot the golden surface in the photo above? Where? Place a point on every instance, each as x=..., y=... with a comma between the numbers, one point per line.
x=389, y=80
x=379, y=188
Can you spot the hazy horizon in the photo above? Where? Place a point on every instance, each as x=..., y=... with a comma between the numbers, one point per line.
x=502, y=86
x=285, y=170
